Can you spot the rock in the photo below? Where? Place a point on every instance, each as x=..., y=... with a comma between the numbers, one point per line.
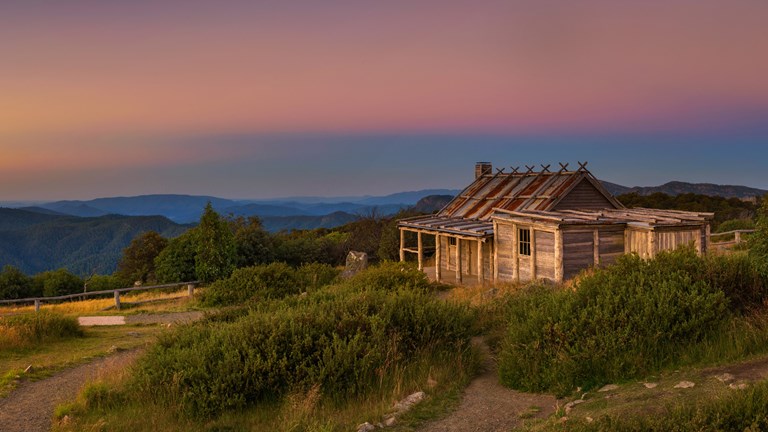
x=609, y=387
x=589, y=419
x=409, y=401
x=684, y=385
x=365, y=427
x=572, y=404
x=356, y=262
x=724, y=378
x=651, y=385
x=389, y=421
x=115, y=349
x=739, y=386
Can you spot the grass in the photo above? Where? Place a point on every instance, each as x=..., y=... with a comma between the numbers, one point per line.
x=48, y=358
x=131, y=303
x=441, y=378
x=664, y=408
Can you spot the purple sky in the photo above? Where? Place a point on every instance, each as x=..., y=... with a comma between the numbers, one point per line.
x=263, y=99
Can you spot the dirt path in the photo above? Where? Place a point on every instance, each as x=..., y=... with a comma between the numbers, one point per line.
x=488, y=406
x=30, y=407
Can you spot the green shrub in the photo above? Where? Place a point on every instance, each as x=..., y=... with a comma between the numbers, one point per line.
x=389, y=275
x=20, y=331
x=620, y=322
x=316, y=275
x=343, y=341
x=736, y=224
x=274, y=280
x=737, y=276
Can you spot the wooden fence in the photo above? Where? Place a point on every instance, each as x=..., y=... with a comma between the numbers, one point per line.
x=737, y=238
x=115, y=292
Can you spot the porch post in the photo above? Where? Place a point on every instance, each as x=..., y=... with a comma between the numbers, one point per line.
x=458, y=260
x=437, y=257
x=480, y=275
x=402, y=245
x=420, y=251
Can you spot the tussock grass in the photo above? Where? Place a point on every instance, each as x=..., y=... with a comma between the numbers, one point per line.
x=23, y=331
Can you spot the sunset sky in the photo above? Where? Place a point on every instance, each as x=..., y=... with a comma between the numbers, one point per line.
x=259, y=99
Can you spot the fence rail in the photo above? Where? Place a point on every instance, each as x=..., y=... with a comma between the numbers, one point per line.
x=736, y=237
x=115, y=292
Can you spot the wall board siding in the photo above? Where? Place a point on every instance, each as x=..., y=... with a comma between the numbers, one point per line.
x=611, y=245
x=505, y=242
x=638, y=242
x=545, y=255
x=578, y=252
x=584, y=196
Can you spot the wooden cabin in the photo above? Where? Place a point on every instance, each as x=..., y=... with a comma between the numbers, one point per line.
x=521, y=226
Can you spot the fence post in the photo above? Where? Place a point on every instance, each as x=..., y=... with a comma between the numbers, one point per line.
x=37, y=305
x=117, y=300
x=738, y=237
x=191, y=289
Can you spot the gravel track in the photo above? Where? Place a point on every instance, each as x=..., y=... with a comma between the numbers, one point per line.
x=488, y=406
x=29, y=408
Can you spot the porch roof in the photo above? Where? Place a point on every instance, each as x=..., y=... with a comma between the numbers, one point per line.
x=449, y=225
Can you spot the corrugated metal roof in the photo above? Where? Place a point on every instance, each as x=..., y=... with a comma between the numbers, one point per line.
x=642, y=217
x=517, y=191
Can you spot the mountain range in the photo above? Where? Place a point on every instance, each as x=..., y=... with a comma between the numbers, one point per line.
x=89, y=236
x=187, y=208
x=678, y=188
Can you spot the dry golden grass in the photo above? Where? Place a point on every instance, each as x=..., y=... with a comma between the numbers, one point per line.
x=477, y=295
x=141, y=301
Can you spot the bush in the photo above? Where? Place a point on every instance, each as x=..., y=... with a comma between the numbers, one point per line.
x=21, y=331
x=620, y=322
x=274, y=280
x=737, y=276
x=342, y=341
x=390, y=275
x=316, y=275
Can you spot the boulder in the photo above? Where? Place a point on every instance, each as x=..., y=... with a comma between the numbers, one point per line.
x=356, y=262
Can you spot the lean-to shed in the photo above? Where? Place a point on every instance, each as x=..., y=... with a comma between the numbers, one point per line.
x=520, y=226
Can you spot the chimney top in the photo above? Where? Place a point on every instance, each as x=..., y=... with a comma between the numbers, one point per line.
x=483, y=168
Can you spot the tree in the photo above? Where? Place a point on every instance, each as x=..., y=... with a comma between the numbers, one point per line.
x=138, y=261
x=758, y=242
x=176, y=263
x=253, y=243
x=14, y=284
x=57, y=282
x=214, y=247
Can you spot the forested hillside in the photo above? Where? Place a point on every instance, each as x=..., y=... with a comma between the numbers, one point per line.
x=35, y=242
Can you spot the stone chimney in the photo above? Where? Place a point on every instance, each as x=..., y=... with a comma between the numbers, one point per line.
x=482, y=168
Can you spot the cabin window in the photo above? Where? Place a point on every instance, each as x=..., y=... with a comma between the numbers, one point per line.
x=452, y=241
x=524, y=241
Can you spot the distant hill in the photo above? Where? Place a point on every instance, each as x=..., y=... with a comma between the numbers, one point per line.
x=287, y=223
x=432, y=203
x=36, y=242
x=179, y=208
x=188, y=208
x=678, y=188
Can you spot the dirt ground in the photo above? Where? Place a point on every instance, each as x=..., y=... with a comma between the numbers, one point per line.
x=488, y=406
x=30, y=407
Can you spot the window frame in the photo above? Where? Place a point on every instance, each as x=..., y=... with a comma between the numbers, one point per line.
x=524, y=241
